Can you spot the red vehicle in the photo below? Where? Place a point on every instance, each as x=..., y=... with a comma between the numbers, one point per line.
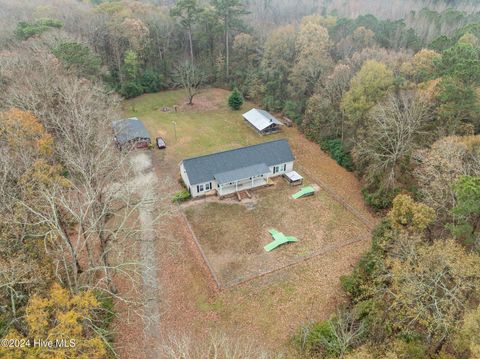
x=161, y=143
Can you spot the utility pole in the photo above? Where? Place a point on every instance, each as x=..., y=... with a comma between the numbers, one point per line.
x=175, y=129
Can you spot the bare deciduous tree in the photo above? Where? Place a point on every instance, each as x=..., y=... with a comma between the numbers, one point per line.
x=394, y=130
x=89, y=219
x=191, y=78
x=217, y=346
x=441, y=165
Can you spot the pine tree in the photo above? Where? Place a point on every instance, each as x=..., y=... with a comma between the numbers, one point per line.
x=235, y=101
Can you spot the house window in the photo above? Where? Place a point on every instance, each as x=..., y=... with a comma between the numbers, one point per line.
x=208, y=186
x=280, y=168
x=200, y=188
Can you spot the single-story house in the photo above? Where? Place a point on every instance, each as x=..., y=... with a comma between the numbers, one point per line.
x=262, y=121
x=131, y=132
x=236, y=170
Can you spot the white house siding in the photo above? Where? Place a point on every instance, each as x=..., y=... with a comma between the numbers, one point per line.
x=193, y=188
x=195, y=193
x=289, y=167
x=184, y=175
x=242, y=184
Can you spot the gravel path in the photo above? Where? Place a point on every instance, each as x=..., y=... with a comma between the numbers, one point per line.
x=145, y=184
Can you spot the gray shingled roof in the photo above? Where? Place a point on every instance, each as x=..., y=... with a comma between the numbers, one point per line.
x=204, y=168
x=260, y=119
x=241, y=173
x=129, y=129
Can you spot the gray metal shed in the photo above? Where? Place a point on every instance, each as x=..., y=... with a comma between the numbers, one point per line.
x=262, y=121
x=131, y=131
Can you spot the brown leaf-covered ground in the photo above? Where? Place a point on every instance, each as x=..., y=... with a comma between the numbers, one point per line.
x=233, y=235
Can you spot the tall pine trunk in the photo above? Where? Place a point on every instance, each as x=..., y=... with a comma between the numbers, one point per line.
x=227, y=51
x=190, y=42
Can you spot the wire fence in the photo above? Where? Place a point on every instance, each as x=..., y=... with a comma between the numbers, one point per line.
x=200, y=250
x=325, y=250
x=339, y=199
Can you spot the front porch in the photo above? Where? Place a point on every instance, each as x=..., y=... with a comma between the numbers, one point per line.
x=242, y=185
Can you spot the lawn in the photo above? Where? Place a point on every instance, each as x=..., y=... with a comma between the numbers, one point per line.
x=207, y=126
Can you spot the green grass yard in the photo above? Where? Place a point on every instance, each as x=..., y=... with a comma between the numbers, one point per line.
x=211, y=128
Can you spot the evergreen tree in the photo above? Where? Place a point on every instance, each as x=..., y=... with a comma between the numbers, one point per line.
x=235, y=101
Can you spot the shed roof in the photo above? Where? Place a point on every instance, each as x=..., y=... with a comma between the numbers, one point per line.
x=224, y=164
x=128, y=130
x=241, y=173
x=293, y=176
x=260, y=119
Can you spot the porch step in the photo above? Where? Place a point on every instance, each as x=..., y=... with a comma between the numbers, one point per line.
x=243, y=194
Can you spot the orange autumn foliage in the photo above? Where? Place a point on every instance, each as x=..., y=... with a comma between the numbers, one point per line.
x=61, y=318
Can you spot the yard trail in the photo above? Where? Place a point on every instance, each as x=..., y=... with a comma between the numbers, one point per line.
x=145, y=183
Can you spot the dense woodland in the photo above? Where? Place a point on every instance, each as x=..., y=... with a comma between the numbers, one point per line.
x=391, y=92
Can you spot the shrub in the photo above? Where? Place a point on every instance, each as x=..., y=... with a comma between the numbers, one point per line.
x=334, y=337
x=272, y=104
x=293, y=110
x=181, y=196
x=78, y=56
x=105, y=315
x=380, y=199
x=369, y=267
x=335, y=148
x=235, y=101
x=4, y=325
x=356, y=283
x=131, y=89
x=351, y=284
x=310, y=338
x=411, y=349
x=152, y=81
x=26, y=30
x=108, y=308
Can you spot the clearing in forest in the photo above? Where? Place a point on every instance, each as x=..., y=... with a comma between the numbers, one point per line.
x=272, y=307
